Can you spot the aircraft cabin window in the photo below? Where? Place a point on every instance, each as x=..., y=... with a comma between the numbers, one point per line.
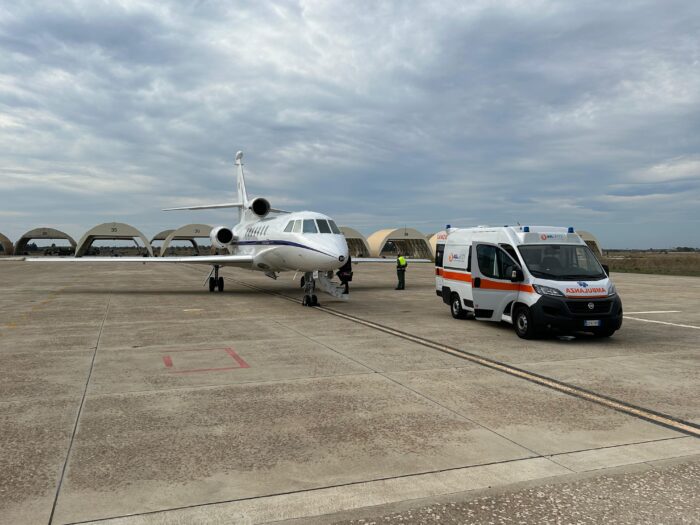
x=297, y=226
x=289, y=227
x=334, y=227
x=310, y=226
x=323, y=226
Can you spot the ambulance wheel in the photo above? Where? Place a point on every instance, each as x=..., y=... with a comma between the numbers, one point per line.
x=314, y=301
x=212, y=284
x=456, y=307
x=220, y=284
x=523, y=324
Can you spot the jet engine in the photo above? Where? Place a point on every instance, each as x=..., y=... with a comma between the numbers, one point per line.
x=221, y=237
x=260, y=207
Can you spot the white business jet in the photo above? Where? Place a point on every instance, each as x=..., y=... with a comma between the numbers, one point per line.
x=265, y=239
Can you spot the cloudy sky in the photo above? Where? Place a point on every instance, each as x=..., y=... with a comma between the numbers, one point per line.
x=377, y=113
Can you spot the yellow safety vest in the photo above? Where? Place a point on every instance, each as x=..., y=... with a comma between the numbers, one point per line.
x=402, y=261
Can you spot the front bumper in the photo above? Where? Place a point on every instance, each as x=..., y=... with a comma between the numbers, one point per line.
x=563, y=314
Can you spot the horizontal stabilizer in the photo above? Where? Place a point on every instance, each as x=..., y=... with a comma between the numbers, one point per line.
x=208, y=206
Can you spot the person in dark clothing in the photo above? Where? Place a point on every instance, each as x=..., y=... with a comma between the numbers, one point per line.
x=344, y=273
x=401, y=265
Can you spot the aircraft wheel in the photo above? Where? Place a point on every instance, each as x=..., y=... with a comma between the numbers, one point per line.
x=314, y=301
x=305, y=301
x=212, y=284
x=220, y=284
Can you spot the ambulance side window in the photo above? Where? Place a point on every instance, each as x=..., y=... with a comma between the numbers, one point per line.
x=469, y=259
x=510, y=251
x=486, y=257
x=439, y=255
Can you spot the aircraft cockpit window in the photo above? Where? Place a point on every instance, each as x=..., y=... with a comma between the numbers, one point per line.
x=289, y=227
x=334, y=227
x=323, y=226
x=310, y=226
x=297, y=226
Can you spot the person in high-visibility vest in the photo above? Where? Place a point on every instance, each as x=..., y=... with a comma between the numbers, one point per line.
x=401, y=265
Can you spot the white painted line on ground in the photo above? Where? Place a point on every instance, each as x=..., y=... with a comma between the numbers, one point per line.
x=664, y=322
x=656, y=312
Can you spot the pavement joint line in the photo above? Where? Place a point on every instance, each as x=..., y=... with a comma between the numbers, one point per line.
x=424, y=396
x=308, y=490
x=663, y=322
x=77, y=418
x=646, y=414
x=652, y=464
x=221, y=385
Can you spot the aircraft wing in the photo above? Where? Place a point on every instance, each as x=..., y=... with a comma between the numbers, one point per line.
x=222, y=205
x=224, y=260
x=386, y=260
x=208, y=206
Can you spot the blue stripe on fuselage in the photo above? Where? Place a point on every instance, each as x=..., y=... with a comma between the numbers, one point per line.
x=278, y=243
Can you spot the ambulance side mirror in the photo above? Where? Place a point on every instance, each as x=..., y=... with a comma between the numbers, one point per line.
x=517, y=276
x=606, y=269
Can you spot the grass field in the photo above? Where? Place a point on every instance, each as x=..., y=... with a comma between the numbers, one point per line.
x=669, y=263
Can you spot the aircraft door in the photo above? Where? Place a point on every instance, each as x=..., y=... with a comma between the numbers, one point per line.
x=492, y=287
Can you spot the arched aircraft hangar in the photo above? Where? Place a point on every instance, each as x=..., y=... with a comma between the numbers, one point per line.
x=41, y=233
x=188, y=232
x=357, y=244
x=111, y=231
x=591, y=241
x=433, y=240
x=408, y=241
x=6, y=245
x=160, y=236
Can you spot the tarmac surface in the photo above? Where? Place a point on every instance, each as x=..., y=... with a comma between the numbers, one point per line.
x=130, y=394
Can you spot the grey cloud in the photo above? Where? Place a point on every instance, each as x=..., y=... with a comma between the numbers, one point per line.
x=381, y=113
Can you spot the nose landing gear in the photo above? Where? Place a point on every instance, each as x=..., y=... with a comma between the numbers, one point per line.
x=309, y=284
x=215, y=282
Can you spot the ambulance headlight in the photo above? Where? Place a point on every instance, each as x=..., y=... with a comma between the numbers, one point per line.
x=547, y=290
x=611, y=290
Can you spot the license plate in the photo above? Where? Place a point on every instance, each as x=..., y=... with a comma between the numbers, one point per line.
x=592, y=322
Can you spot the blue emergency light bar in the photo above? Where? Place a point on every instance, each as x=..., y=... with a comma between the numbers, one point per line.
x=571, y=229
x=526, y=229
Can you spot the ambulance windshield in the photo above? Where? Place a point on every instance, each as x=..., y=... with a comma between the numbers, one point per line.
x=561, y=262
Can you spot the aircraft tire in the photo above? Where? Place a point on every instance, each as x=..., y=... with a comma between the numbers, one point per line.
x=212, y=284
x=314, y=301
x=305, y=301
x=220, y=284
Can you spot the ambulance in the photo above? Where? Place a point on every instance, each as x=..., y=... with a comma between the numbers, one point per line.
x=537, y=278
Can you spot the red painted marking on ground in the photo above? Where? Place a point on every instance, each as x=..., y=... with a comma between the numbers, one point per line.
x=230, y=351
x=194, y=370
x=238, y=359
x=192, y=350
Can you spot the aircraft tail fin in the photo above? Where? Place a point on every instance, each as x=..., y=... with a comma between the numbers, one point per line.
x=240, y=180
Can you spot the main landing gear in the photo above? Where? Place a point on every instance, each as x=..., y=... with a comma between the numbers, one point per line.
x=216, y=282
x=309, y=284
